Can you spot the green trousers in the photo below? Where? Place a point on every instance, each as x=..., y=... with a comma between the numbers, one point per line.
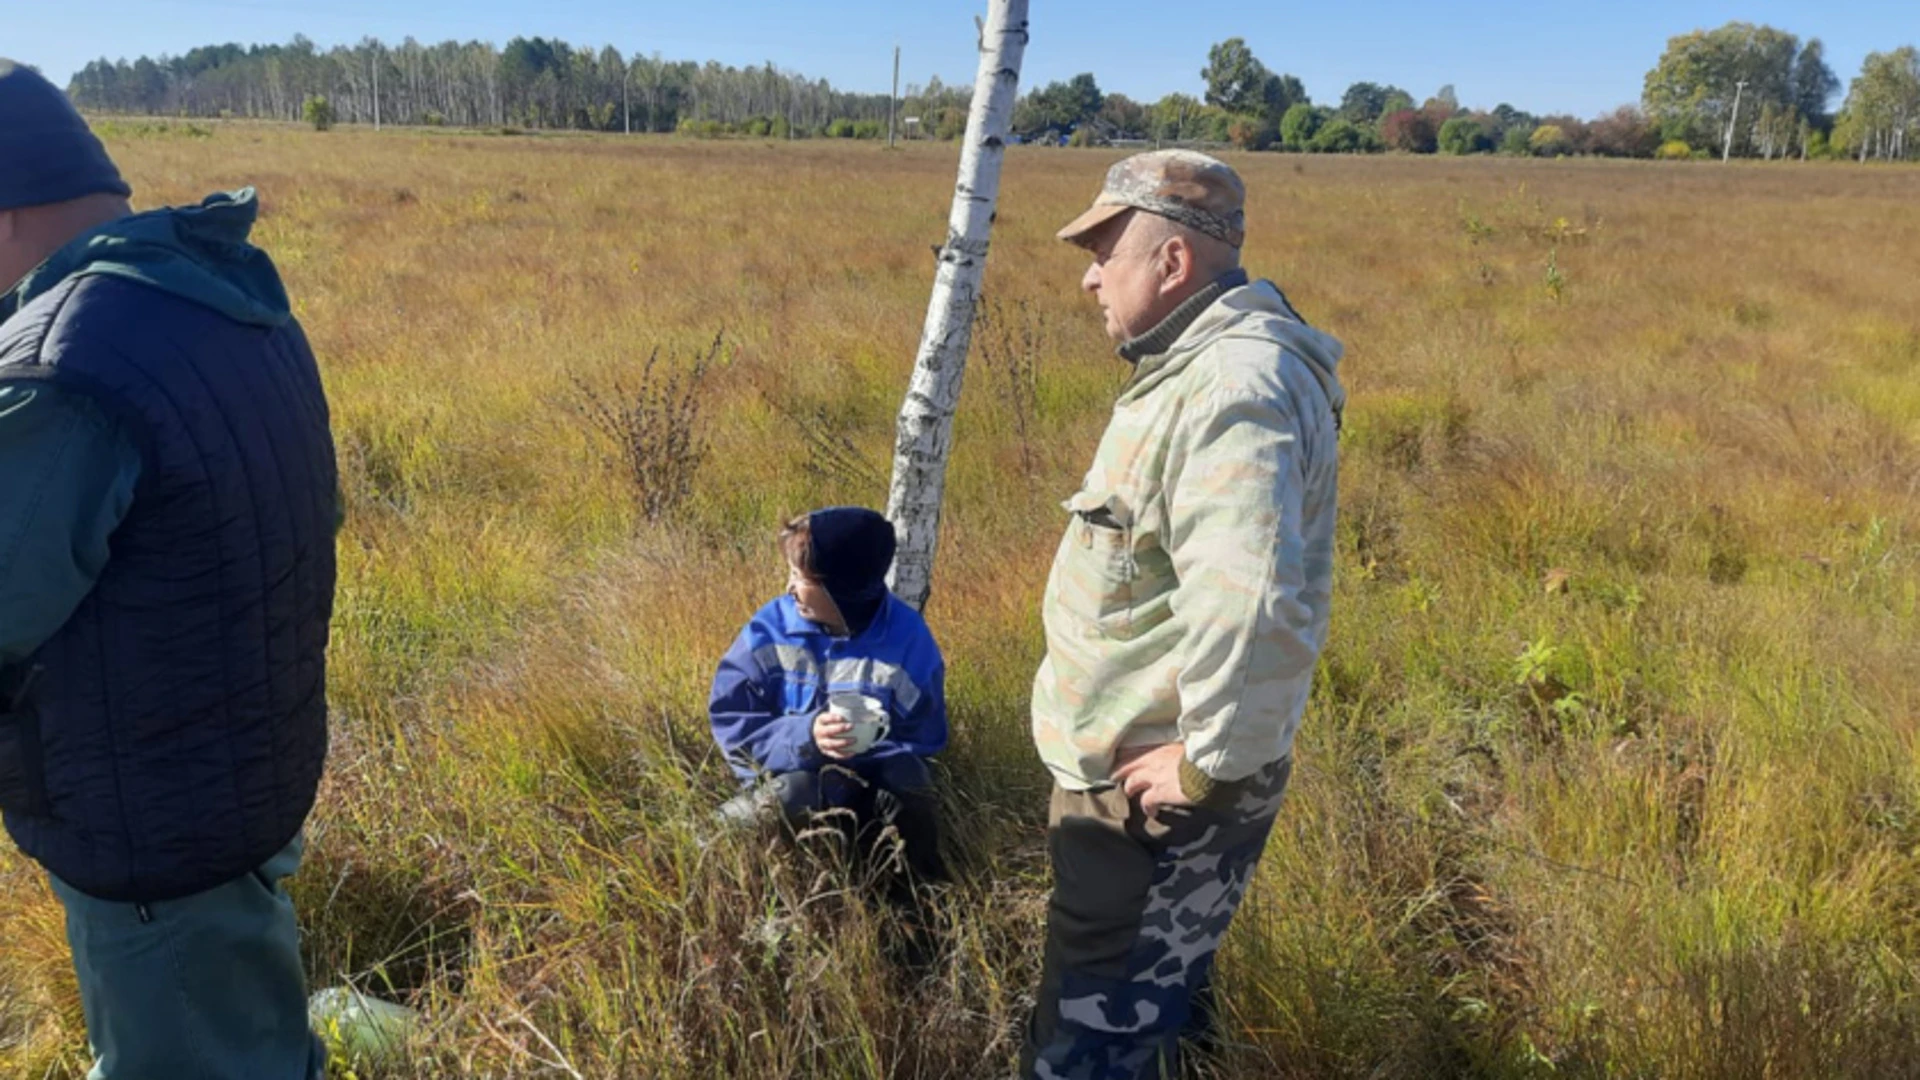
x=207, y=987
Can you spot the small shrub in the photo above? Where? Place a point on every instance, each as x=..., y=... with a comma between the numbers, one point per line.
x=652, y=429
x=1674, y=150
x=318, y=111
x=1518, y=141
x=1338, y=137
x=1726, y=567
x=1476, y=228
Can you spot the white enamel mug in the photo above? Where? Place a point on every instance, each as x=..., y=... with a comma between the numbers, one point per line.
x=868, y=717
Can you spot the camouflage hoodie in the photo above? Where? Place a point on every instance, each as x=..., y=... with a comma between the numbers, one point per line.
x=1189, y=598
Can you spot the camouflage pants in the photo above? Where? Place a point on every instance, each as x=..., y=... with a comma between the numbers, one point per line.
x=1138, y=910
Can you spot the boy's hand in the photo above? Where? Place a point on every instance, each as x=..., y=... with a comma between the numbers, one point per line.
x=833, y=735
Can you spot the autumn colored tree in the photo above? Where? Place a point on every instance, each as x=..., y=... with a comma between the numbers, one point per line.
x=1442, y=107
x=1409, y=130
x=1625, y=132
x=1550, y=140
x=1251, y=133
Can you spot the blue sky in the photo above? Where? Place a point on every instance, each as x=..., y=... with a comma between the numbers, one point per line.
x=1543, y=56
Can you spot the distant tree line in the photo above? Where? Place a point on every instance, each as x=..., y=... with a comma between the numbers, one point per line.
x=532, y=82
x=1741, y=90
x=1782, y=88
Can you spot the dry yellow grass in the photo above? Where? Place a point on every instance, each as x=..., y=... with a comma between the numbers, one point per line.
x=1612, y=765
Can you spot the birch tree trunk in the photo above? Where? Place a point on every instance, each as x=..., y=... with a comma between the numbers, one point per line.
x=925, y=435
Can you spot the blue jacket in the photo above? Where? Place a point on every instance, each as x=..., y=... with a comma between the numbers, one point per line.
x=781, y=669
x=168, y=735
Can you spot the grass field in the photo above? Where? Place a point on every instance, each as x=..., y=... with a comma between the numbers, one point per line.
x=1612, y=767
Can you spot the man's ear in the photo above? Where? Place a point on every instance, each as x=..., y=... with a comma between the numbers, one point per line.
x=1179, y=265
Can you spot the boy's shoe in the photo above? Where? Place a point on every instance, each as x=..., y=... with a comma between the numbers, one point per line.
x=758, y=806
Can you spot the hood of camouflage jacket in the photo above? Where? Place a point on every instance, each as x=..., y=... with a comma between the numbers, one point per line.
x=1227, y=316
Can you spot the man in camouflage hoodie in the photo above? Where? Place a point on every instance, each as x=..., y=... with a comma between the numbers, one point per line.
x=1187, y=606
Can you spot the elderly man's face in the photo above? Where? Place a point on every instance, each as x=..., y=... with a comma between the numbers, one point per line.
x=1128, y=275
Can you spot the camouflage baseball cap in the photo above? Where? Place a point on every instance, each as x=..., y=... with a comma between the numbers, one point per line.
x=1195, y=190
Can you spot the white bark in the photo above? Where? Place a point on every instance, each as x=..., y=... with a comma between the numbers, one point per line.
x=1740, y=88
x=925, y=434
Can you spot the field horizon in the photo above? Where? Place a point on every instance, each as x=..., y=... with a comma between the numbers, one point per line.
x=1612, y=767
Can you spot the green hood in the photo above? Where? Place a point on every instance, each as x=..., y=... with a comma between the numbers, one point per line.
x=199, y=253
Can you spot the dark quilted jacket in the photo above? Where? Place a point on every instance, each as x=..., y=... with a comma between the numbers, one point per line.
x=180, y=715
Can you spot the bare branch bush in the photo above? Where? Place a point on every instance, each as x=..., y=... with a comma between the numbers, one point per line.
x=651, y=430
x=1008, y=338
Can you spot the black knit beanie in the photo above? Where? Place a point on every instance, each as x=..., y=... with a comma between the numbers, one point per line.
x=852, y=552
x=47, y=152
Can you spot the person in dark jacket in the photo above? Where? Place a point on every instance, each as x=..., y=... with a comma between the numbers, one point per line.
x=168, y=506
x=837, y=643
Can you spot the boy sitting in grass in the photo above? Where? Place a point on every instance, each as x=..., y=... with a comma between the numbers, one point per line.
x=787, y=701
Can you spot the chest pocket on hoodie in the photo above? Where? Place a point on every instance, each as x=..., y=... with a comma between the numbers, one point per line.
x=1099, y=576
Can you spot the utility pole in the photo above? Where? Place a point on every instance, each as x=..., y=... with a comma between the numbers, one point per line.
x=1739, y=88
x=375, y=55
x=626, y=103
x=925, y=436
x=895, y=97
